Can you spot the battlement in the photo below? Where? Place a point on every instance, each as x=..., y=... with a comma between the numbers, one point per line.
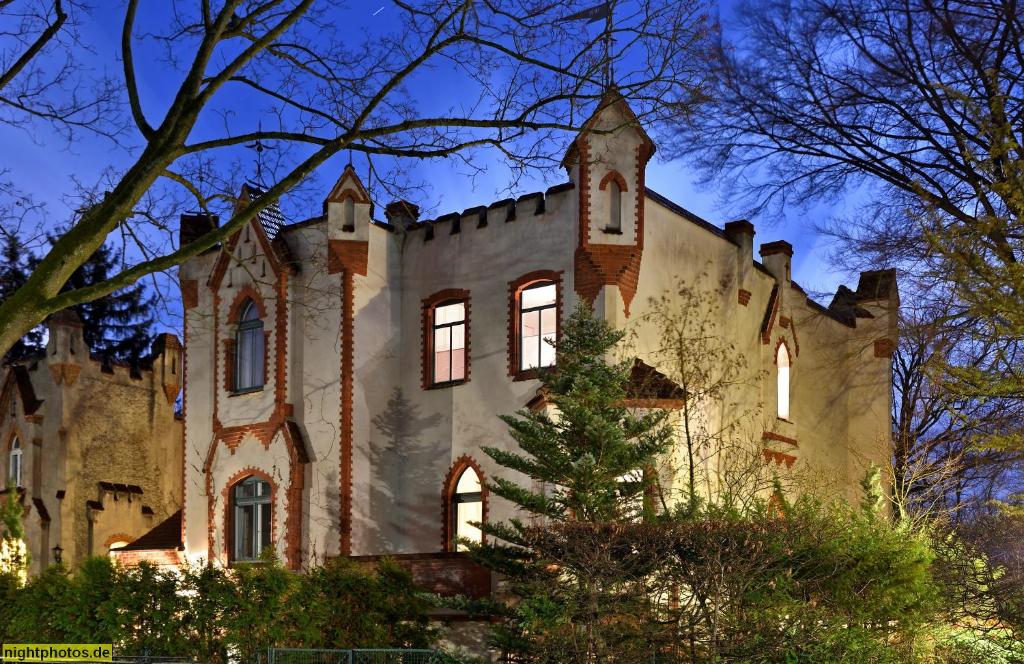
x=504, y=211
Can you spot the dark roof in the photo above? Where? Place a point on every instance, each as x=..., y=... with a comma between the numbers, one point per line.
x=26, y=393
x=876, y=285
x=165, y=535
x=646, y=382
x=683, y=212
x=271, y=217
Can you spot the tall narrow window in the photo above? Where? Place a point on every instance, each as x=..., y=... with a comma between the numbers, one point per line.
x=249, y=349
x=251, y=499
x=782, y=360
x=538, y=325
x=14, y=466
x=449, y=343
x=350, y=214
x=467, y=507
x=615, y=206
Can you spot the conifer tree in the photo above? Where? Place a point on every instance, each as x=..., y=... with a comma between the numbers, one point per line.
x=14, y=269
x=589, y=463
x=118, y=326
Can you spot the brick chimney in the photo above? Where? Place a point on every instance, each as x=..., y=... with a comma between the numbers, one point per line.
x=402, y=214
x=194, y=226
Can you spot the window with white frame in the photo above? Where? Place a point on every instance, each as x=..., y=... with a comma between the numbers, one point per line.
x=14, y=464
x=449, y=343
x=249, y=351
x=783, y=367
x=538, y=325
x=252, y=514
x=467, y=508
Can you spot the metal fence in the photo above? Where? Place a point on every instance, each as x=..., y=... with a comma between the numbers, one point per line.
x=356, y=656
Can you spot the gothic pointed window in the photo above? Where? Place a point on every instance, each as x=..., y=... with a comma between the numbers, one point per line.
x=538, y=325
x=14, y=464
x=467, y=508
x=783, y=367
x=614, y=207
x=249, y=351
x=449, y=343
x=252, y=518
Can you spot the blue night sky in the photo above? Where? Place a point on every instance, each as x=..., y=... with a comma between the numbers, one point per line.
x=46, y=167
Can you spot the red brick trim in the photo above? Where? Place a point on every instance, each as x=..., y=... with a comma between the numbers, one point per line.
x=229, y=365
x=345, y=460
x=246, y=292
x=775, y=354
x=884, y=348
x=771, y=435
x=358, y=194
x=450, y=481
x=227, y=253
x=352, y=255
x=770, y=314
x=744, y=297
x=595, y=266
x=784, y=321
x=189, y=293
x=430, y=303
x=515, y=288
x=779, y=458
x=229, y=512
x=119, y=537
x=613, y=176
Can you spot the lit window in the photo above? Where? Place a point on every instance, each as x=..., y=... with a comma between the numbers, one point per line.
x=538, y=323
x=467, y=508
x=119, y=544
x=251, y=500
x=449, y=342
x=249, y=349
x=615, y=206
x=782, y=360
x=14, y=465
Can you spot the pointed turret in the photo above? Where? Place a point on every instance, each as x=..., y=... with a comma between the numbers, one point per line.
x=348, y=208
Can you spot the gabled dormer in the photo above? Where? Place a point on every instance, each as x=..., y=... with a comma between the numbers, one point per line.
x=348, y=208
x=607, y=163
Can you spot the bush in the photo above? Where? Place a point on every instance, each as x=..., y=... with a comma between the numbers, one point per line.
x=205, y=612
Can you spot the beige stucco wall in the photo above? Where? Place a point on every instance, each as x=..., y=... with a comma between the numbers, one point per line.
x=405, y=438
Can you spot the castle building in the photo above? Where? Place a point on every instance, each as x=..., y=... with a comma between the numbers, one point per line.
x=93, y=448
x=343, y=372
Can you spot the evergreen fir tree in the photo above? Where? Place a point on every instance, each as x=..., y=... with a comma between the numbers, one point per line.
x=118, y=326
x=590, y=463
x=15, y=260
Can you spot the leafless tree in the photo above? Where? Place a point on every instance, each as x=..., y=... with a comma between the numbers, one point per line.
x=950, y=452
x=528, y=74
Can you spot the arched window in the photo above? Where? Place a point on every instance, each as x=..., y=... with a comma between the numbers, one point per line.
x=14, y=465
x=449, y=343
x=251, y=504
x=249, y=352
x=467, y=507
x=782, y=361
x=614, y=206
x=538, y=325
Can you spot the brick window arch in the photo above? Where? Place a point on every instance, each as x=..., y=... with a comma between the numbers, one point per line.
x=446, y=338
x=534, y=319
x=615, y=185
x=249, y=519
x=464, y=500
